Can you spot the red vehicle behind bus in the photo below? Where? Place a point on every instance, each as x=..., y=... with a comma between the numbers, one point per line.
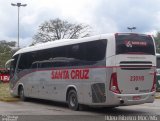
x=4, y=75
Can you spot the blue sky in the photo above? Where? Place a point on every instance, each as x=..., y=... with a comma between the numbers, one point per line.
x=104, y=16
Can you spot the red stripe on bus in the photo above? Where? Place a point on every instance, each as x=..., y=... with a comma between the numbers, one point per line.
x=35, y=70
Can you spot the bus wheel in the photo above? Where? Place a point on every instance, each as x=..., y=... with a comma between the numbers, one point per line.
x=72, y=100
x=21, y=94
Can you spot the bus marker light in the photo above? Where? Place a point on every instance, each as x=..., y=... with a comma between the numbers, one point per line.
x=114, y=84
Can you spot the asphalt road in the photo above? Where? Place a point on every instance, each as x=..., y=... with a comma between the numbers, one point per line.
x=40, y=110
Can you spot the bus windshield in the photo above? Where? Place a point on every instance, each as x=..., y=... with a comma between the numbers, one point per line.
x=134, y=44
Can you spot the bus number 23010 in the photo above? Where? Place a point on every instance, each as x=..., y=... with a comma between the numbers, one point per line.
x=136, y=78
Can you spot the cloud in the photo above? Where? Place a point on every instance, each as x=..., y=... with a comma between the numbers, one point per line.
x=141, y=14
x=104, y=16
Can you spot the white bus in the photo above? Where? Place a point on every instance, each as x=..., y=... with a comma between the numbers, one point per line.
x=105, y=71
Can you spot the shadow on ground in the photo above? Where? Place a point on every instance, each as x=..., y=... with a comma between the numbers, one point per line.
x=97, y=111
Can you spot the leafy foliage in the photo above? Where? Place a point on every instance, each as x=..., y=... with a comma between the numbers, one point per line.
x=157, y=42
x=5, y=51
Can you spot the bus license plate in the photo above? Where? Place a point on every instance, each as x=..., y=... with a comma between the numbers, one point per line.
x=136, y=97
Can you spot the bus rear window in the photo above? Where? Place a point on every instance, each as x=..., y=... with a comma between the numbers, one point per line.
x=134, y=44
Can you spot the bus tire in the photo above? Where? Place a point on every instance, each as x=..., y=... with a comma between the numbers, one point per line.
x=73, y=100
x=21, y=94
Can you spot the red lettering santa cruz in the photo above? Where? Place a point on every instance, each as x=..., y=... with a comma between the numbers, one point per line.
x=70, y=74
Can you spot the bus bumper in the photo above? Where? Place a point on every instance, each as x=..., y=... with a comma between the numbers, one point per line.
x=131, y=99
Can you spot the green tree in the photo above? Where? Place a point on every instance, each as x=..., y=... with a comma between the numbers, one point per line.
x=5, y=51
x=157, y=42
x=58, y=29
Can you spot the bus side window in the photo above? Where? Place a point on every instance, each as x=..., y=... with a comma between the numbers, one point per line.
x=59, y=64
x=46, y=64
x=96, y=50
x=87, y=53
x=34, y=66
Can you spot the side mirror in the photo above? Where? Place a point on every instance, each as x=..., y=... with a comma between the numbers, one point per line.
x=8, y=63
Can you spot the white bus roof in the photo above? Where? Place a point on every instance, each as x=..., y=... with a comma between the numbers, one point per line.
x=64, y=42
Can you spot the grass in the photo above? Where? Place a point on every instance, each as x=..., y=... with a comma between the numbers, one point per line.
x=157, y=96
x=5, y=93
